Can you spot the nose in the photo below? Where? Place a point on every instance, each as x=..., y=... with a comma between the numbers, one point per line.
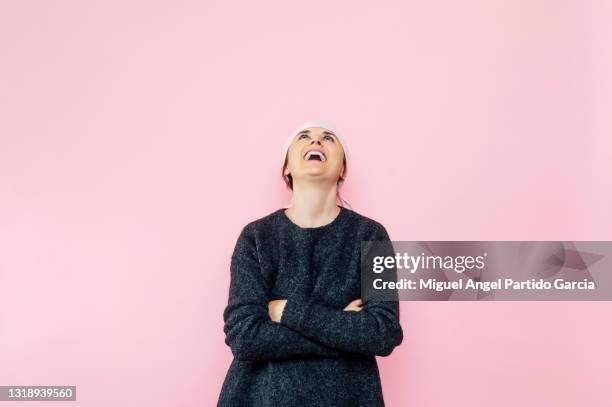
x=316, y=141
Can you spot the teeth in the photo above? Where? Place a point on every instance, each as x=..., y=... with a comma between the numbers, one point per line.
x=311, y=153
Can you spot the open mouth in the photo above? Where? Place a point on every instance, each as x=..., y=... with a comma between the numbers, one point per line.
x=315, y=156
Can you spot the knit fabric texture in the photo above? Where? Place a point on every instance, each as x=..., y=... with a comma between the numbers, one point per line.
x=318, y=354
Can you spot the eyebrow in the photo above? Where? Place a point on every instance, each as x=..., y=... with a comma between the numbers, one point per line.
x=325, y=132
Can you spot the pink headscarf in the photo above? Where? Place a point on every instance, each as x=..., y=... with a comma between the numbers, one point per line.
x=329, y=127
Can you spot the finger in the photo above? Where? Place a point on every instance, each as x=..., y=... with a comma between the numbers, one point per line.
x=355, y=302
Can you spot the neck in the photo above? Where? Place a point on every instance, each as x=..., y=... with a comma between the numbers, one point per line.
x=314, y=204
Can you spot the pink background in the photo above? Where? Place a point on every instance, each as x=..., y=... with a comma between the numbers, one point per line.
x=138, y=137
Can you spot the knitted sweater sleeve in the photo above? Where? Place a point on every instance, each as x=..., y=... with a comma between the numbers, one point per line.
x=249, y=331
x=375, y=330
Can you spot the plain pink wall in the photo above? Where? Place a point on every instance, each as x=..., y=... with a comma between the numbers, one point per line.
x=138, y=137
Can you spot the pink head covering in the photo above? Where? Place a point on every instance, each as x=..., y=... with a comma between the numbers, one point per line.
x=328, y=126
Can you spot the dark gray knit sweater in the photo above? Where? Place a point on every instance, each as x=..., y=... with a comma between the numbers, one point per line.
x=319, y=354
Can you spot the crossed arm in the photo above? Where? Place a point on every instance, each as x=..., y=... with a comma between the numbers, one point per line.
x=258, y=329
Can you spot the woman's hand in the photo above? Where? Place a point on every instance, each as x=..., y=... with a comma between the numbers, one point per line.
x=354, y=305
x=275, y=309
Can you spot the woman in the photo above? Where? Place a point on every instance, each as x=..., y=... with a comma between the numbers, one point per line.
x=299, y=332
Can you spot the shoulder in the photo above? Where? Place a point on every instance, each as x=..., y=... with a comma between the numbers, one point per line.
x=251, y=238
x=261, y=224
x=365, y=224
x=266, y=221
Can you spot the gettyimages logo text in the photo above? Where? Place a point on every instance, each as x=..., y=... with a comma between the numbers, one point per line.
x=412, y=264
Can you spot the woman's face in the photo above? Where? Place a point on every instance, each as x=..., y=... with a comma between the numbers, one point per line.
x=315, y=153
